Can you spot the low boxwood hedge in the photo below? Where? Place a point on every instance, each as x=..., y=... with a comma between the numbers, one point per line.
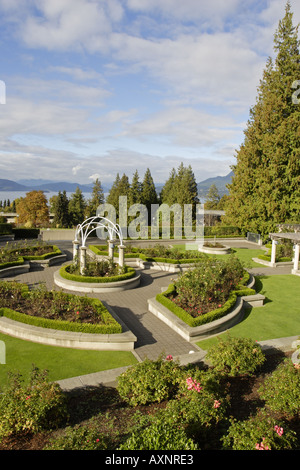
x=10, y=264
x=21, y=259
x=78, y=278
x=110, y=326
x=278, y=260
x=164, y=299
x=56, y=251
x=101, y=250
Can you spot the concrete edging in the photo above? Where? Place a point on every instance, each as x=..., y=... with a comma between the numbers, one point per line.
x=31, y=264
x=214, y=251
x=97, y=288
x=70, y=339
x=208, y=329
x=15, y=270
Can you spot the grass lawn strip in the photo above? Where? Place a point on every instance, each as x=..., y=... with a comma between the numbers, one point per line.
x=62, y=363
x=278, y=318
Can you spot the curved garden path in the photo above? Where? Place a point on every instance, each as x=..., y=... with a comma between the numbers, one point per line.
x=154, y=337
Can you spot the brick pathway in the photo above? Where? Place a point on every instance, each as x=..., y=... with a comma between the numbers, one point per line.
x=154, y=336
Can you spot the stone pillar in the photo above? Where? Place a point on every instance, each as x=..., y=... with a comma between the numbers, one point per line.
x=111, y=246
x=82, y=259
x=121, y=255
x=296, y=257
x=75, y=250
x=273, y=252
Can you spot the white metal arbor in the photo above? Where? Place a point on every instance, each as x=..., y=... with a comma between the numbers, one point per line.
x=93, y=223
x=86, y=228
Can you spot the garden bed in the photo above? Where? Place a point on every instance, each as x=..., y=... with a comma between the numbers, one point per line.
x=100, y=419
x=206, y=300
x=99, y=275
x=60, y=319
x=20, y=257
x=214, y=248
x=159, y=257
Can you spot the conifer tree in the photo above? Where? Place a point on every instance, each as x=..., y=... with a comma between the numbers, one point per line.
x=120, y=187
x=96, y=200
x=61, y=210
x=148, y=193
x=168, y=194
x=77, y=207
x=265, y=188
x=135, y=191
x=212, y=198
x=113, y=197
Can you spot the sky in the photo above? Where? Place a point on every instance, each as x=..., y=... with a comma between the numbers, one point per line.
x=92, y=88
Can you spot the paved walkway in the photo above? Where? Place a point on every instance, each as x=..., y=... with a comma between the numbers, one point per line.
x=154, y=336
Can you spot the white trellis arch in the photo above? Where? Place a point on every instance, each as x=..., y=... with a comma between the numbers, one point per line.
x=86, y=228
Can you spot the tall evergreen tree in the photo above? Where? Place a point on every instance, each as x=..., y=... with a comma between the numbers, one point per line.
x=265, y=188
x=212, y=198
x=77, y=207
x=96, y=199
x=120, y=187
x=168, y=194
x=148, y=194
x=61, y=210
x=113, y=197
x=135, y=191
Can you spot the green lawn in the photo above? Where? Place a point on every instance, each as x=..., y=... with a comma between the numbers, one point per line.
x=61, y=362
x=278, y=318
x=244, y=254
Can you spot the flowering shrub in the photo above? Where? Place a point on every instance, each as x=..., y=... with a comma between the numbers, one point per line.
x=84, y=437
x=259, y=432
x=161, y=434
x=31, y=407
x=208, y=285
x=281, y=391
x=200, y=401
x=235, y=356
x=149, y=381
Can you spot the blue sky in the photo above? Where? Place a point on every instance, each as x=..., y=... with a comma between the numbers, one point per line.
x=96, y=87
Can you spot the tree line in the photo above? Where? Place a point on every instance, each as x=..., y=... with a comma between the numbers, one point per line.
x=180, y=188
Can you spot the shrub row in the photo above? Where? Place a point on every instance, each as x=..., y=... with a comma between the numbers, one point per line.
x=195, y=415
x=110, y=326
x=21, y=259
x=136, y=254
x=5, y=229
x=77, y=278
x=164, y=299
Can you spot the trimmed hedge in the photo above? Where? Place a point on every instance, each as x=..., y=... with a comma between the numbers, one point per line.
x=5, y=229
x=21, y=259
x=136, y=254
x=78, y=278
x=164, y=299
x=56, y=251
x=98, y=250
x=9, y=264
x=25, y=233
x=278, y=260
x=111, y=326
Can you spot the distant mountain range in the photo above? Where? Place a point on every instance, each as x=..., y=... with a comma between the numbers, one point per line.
x=53, y=186
x=219, y=181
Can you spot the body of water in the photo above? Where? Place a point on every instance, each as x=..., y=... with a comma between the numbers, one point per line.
x=12, y=195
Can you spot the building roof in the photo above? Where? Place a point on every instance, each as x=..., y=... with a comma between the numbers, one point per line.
x=293, y=236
